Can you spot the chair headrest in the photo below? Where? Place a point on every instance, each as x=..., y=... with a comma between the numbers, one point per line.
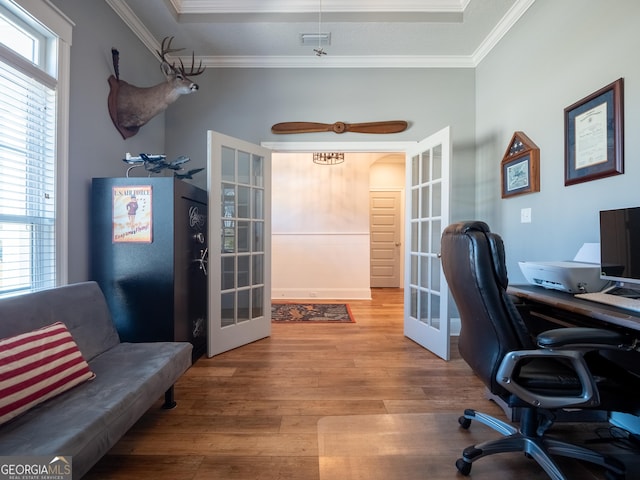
x=476, y=228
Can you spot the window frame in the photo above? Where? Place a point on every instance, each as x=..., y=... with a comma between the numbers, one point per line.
x=43, y=14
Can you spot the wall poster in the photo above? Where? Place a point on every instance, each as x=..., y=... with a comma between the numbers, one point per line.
x=132, y=219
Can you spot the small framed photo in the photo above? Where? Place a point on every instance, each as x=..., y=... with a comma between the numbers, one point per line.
x=594, y=138
x=520, y=168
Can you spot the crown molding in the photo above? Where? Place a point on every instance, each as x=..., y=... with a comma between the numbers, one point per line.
x=134, y=23
x=305, y=6
x=500, y=30
x=383, y=61
x=312, y=61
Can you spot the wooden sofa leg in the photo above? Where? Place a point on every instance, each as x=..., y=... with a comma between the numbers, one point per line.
x=169, y=401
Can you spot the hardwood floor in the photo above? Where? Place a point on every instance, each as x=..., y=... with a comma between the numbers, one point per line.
x=252, y=413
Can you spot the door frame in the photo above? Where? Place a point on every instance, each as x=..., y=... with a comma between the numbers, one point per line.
x=375, y=147
x=341, y=146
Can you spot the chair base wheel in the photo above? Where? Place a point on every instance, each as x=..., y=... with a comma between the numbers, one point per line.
x=463, y=467
x=535, y=446
x=464, y=422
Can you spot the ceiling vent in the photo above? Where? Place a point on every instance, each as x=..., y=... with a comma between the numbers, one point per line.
x=315, y=39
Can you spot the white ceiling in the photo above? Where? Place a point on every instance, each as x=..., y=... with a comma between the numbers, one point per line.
x=364, y=33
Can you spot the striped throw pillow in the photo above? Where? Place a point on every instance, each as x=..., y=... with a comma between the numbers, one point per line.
x=36, y=366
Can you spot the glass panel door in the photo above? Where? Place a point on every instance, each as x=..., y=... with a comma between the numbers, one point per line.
x=426, y=295
x=240, y=293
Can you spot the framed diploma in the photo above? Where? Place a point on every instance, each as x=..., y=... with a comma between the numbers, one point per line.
x=594, y=143
x=520, y=168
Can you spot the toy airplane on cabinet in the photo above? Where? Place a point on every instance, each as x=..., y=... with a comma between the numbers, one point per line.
x=156, y=163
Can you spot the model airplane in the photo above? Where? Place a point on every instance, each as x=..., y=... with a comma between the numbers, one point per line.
x=143, y=158
x=156, y=163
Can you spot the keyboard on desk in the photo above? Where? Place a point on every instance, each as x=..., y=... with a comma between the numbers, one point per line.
x=619, y=301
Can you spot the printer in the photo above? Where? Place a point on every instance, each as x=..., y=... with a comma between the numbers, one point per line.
x=580, y=275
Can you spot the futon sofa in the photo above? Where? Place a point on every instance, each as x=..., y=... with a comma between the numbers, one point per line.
x=116, y=383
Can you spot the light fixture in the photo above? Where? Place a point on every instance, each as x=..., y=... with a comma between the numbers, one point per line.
x=328, y=158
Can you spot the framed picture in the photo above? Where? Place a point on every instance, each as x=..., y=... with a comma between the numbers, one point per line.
x=594, y=143
x=520, y=168
x=131, y=214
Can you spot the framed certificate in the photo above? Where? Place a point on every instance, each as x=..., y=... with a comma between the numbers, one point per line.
x=594, y=143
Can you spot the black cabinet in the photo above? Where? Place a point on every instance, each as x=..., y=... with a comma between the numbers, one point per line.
x=149, y=256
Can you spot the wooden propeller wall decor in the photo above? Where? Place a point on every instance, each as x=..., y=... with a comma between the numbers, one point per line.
x=392, y=126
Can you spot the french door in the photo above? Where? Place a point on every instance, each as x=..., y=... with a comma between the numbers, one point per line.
x=239, y=184
x=426, y=309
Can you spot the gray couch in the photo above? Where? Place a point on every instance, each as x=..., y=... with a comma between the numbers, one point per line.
x=86, y=421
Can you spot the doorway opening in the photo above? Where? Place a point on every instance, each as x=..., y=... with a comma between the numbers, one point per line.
x=321, y=222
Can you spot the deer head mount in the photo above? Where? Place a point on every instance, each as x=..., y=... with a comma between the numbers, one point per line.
x=131, y=107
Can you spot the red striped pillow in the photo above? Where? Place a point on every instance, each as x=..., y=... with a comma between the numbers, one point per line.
x=36, y=366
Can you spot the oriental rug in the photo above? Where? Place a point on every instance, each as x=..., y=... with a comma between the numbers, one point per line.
x=311, y=313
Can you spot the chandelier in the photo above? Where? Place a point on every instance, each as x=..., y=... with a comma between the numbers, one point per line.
x=328, y=158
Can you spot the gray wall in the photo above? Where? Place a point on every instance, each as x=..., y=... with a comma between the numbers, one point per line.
x=244, y=103
x=557, y=54
x=96, y=148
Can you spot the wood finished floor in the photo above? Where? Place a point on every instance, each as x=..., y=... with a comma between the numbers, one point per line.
x=252, y=413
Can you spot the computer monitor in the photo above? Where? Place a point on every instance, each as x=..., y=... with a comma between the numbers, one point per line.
x=620, y=246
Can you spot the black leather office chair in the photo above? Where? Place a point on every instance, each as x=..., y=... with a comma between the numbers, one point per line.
x=560, y=369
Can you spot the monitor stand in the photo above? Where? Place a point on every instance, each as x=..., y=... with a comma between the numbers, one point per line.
x=623, y=290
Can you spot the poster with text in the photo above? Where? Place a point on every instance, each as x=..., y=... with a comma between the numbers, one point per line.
x=132, y=221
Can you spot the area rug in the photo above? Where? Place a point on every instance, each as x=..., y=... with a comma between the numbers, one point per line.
x=311, y=313
x=426, y=446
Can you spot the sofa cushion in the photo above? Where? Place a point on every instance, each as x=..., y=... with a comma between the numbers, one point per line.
x=81, y=306
x=36, y=366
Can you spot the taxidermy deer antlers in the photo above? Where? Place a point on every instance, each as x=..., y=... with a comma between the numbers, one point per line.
x=131, y=107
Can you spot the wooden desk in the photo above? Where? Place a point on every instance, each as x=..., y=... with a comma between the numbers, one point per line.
x=562, y=308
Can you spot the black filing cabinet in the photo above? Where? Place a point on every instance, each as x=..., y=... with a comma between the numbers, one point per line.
x=149, y=256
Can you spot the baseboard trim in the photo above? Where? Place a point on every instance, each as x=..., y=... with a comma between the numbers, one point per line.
x=310, y=293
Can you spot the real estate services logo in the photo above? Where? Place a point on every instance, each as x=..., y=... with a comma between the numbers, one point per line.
x=35, y=468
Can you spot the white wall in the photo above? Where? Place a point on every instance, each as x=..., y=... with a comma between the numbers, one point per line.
x=557, y=54
x=320, y=227
x=388, y=172
x=320, y=221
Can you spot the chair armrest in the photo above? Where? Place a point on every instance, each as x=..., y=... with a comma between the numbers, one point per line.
x=585, y=339
x=511, y=362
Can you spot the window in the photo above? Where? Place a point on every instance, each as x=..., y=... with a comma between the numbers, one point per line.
x=30, y=159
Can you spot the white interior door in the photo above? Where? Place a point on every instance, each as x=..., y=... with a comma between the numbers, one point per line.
x=239, y=183
x=426, y=309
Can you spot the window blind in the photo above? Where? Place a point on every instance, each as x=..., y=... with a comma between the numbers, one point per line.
x=27, y=182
